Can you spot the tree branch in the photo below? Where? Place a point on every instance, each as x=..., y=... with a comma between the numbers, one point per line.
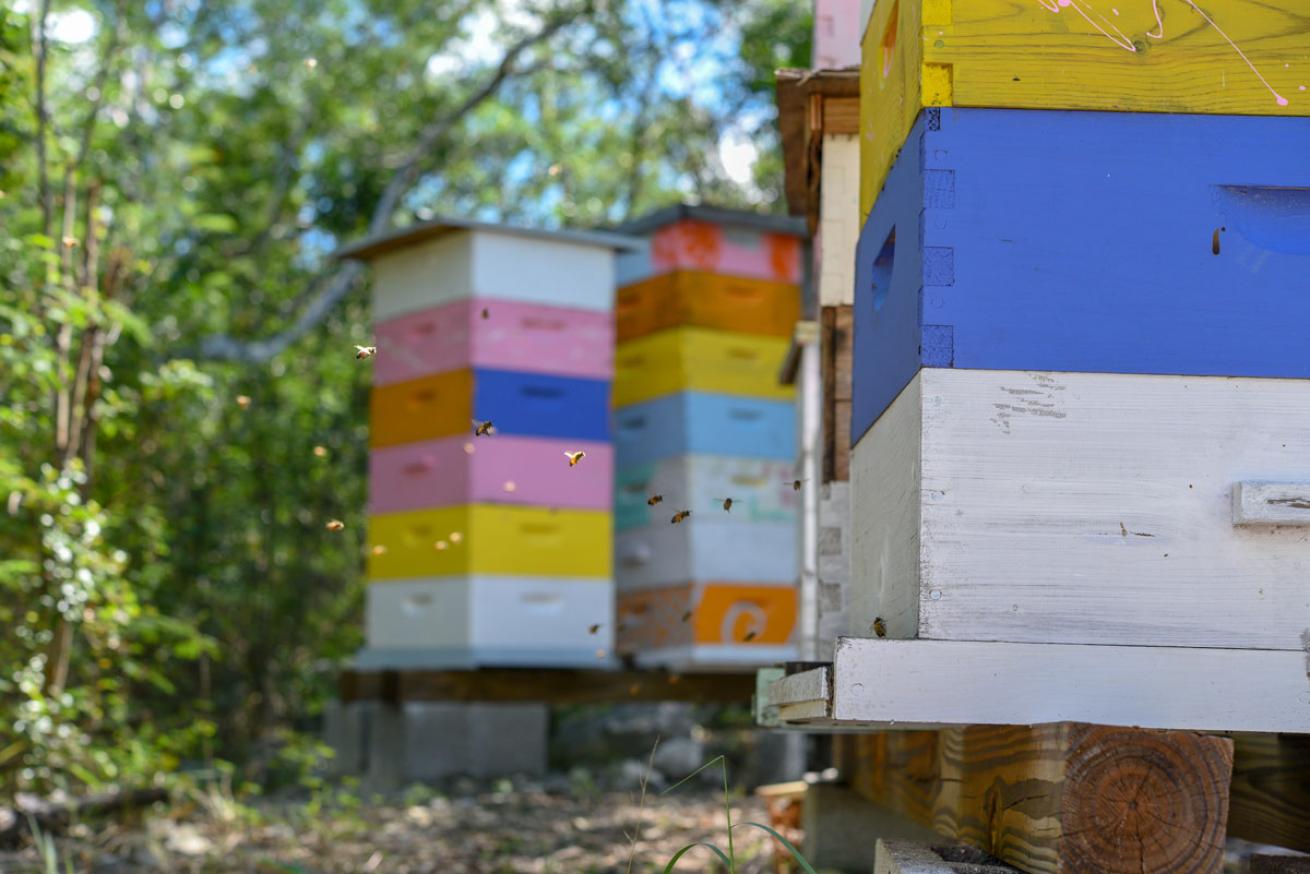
x=41, y=50
x=224, y=347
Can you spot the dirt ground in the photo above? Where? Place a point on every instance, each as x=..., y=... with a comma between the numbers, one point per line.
x=491, y=829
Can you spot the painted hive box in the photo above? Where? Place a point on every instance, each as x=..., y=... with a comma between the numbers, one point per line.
x=699, y=299
x=710, y=624
x=699, y=359
x=706, y=424
x=753, y=489
x=704, y=547
x=1224, y=57
x=1086, y=241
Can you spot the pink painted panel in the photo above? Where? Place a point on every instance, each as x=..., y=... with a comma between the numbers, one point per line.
x=837, y=32
x=498, y=469
x=698, y=245
x=513, y=336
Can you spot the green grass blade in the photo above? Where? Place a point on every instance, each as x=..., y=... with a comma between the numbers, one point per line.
x=795, y=853
x=711, y=763
x=678, y=855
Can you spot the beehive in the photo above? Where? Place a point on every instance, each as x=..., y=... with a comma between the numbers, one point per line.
x=701, y=418
x=1226, y=57
x=489, y=548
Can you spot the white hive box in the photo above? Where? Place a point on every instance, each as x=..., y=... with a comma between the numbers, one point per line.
x=1084, y=508
x=488, y=620
x=705, y=548
x=448, y=260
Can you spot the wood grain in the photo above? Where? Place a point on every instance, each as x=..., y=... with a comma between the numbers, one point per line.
x=1271, y=790
x=835, y=362
x=1080, y=508
x=1058, y=798
x=1001, y=53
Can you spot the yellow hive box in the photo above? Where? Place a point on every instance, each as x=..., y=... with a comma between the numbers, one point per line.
x=1232, y=57
x=490, y=539
x=707, y=300
x=699, y=359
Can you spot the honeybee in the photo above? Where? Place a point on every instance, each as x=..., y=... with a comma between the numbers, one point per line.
x=335, y=525
x=363, y=353
x=600, y=654
x=379, y=550
x=70, y=242
x=593, y=628
x=796, y=484
x=727, y=504
x=509, y=487
x=879, y=627
x=653, y=500
x=243, y=401
x=750, y=635
x=483, y=429
x=486, y=313
x=320, y=452
x=574, y=457
x=686, y=617
x=440, y=545
x=680, y=515
x=455, y=537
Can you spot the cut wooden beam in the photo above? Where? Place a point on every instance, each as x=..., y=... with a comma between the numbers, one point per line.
x=936, y=682
x=556, y=686
x=1271, y=790
x=1065, y=799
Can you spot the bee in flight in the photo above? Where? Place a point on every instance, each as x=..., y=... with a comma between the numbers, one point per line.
x=686, y=617
x=335, y=525
x=486, y=313
x=680, y=515
x=243, y=401
x=750, y=635
x=363, y=353
x=653, y=500
x=796, y=484
x=594, y=628
x=483, y=429
x=727, y=504
x=574, y=457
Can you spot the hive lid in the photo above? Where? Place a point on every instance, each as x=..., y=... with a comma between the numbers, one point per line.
x=742, y=218
x=402, y=238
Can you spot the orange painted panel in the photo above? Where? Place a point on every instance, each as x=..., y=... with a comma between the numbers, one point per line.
x=707, y=300
x=709, y=614
x=422, y=409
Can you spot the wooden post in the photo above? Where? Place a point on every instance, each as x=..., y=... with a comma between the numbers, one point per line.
x=1065, y=798
x=1271, y=790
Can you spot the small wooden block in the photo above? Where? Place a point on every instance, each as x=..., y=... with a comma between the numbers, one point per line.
x=1259, y=503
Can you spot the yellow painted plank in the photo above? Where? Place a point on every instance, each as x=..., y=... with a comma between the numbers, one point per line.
x=1237, y=57
x=699, y=359
x=490, y=539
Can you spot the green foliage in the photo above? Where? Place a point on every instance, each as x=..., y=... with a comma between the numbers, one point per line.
x=168, y=593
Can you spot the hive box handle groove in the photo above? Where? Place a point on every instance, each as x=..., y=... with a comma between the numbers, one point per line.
x=1271, y=503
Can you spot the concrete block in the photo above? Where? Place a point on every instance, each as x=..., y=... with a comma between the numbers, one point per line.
x=841, y=829
x=423, y=741
x=346, y=727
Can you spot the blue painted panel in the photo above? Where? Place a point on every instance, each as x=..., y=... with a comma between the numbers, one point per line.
x=704, y=423
x=541, y=405
x=1084, y=241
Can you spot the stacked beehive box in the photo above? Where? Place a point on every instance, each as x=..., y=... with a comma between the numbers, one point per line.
x=703, y=318
x=1081, y=352
x=489, y=548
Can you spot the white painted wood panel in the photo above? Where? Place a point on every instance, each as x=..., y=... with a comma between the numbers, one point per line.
x=885, y=521
x=492, y=619
x=931, y=682
x=702, y=549
x=1085, y=508
x=1271, y=503
x=485, y=264
x=839, y=219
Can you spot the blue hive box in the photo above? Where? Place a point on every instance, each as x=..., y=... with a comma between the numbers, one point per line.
x=542, y=405
x=1086, y=241
x=705, y=424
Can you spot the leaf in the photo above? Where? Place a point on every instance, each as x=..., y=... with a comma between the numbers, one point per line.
x=795, y=853
x=216, y=223
x=678, y=855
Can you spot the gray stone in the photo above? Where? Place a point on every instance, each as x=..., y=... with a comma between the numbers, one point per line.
x=679, y=756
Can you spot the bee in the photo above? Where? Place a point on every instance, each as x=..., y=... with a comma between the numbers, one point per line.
x=311, y=63
x=727, y=504
x=593, y=628
x=1214, y=240
x=686, y=617
x=879, y=627
x=483, y=429
x=335, y=525
x=243, y=401
x=574, y=457
x=680, y=515
x=320, y=452
x=70, y=242
x=379, y=550
x=486, y=313
x=796, y=484
x=363, y=353
x=750, y=635
x=510, y=487
x=455, y=537
x=440, y=545
x=653, y=500
x=600, y=654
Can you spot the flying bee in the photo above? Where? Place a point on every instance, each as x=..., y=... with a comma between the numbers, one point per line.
x=379, y=550
x=363, y=353
x=456, y=537
x=243, y=401
x=486, y=313
x=70, y=242
x=483, y=429
x=750, y=635
x=440, y=545
x=680, y=515
x=653, y=500
x=727, y=504
x=796, y=484
x=509, y=487
x=686, y=617
x=879, y=627
x=335, y=525
x=574, y=457
x=320, y=452
x=593, y=628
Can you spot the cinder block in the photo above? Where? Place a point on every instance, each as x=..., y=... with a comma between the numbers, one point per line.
x=420, y=741
x=346, y=726
x=842, y=828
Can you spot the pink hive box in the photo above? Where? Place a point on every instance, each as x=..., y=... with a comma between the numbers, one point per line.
x=498, y=469
x=692, y=244
x=514, y=336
